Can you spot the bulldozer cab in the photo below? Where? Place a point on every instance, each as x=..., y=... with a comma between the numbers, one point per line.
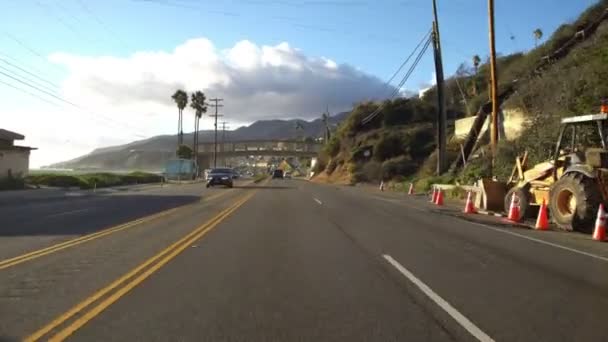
x=581, y=141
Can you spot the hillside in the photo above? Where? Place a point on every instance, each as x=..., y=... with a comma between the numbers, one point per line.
x=564, y=76
x=151, y=154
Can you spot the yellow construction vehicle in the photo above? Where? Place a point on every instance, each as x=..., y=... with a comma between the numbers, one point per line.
x=574, y=182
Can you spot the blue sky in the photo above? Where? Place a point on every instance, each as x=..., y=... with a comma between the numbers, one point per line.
x=75, y=44
x=372, y=35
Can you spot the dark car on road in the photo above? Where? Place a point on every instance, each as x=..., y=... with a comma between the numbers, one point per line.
x=278, y=173
x=220, y=176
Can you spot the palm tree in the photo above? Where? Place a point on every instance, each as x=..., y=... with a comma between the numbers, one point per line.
x=299, y=128
x=538, y=35
x=325, y=119
x=197, y=102
x=476, y=62
x=181, y=99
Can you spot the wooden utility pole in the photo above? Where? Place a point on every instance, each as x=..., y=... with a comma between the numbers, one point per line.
x=494, y=81
x=216, y=104
x=441, y=110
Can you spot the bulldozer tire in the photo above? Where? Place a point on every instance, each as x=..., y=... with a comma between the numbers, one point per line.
x=573, y=202
x=523, y=195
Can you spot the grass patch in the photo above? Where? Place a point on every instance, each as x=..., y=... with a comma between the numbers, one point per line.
x=91, y=180
x=12, y=183
x=259, y=178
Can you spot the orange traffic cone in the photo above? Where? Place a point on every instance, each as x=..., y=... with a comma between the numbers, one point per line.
x=600, y=225
x=411, y=190
x=469, y=208
x=434, y=195
x=439, y=199
x=514, y=209
x=542, y=221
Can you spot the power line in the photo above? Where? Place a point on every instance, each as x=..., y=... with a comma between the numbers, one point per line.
x=102, y=23
x=84, y=110
x=47, y=10
x=30, y=93
x=371, y=116
x=29, y=73
x=425, y=38
x=29, y=49
x=216, y=104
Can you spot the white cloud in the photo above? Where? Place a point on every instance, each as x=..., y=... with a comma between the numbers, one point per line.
x=256, y=82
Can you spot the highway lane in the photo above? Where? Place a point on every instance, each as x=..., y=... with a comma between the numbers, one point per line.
x=34, y=292
x=302, y=261
x=28, y=226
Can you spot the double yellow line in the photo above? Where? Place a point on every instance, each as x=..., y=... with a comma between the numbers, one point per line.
x=75, y=242
x=87, y=309
x=89, y=237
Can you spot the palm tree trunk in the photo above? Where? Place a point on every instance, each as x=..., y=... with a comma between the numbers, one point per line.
x=179, y=118
x=181, y=127
x=194, y=138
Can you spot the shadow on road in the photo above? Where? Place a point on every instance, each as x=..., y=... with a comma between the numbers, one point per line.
x=8, y=339
x=84, y=217
x=264, y=187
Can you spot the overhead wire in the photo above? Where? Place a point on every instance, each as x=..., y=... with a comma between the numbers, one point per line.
x=27, y=72
x=426, y=37
x=397, y=89
x=28, y=79
x=95, y=116
x=29, y=93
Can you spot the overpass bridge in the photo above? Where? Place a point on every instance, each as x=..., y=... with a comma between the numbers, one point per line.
x=245, y=148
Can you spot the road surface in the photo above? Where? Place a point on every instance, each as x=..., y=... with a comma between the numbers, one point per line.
x=288, y=260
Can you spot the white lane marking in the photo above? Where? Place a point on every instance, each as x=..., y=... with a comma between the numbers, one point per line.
x=68, y=212
x=318, y=201
x=399, y=202
x=501, y=230
x=442, y=303
x=573, y=250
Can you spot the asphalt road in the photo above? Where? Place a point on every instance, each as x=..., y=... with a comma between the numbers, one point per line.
x=290, y=260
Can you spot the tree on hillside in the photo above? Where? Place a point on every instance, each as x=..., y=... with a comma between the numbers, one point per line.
x=181, y=99
x=299, y=127
x=197, y=102
x=476, y=62
x=538, y=35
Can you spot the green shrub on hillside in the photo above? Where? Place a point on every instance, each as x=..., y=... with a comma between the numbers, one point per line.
x=372, y=171
x=332, y=147
x=399, y=166
x=390, y=145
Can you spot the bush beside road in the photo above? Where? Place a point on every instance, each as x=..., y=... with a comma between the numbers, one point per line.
x=92, y=180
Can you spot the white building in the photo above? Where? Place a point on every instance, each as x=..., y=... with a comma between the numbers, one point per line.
x=14, y=160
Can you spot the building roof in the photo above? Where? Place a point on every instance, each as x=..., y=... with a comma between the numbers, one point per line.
x=8, y=135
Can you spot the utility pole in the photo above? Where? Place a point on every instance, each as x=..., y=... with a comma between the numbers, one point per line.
x=441, y=111
x=216, y=104
x=224, y=127
x=494, y=82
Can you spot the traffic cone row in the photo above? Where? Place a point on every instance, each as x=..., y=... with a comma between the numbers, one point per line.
x=599, y=233
x=469, y=207
x=542, y=221
x=439, y=198
x=514, y=209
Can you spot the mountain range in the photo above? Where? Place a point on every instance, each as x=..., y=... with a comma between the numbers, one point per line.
x=152, y=153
